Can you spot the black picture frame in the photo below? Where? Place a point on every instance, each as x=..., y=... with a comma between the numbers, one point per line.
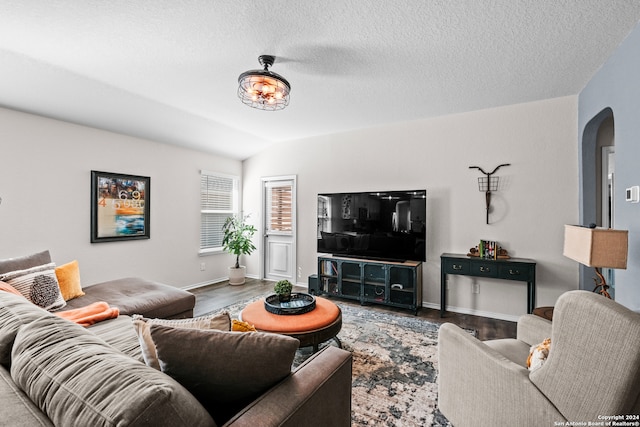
x=120, y=207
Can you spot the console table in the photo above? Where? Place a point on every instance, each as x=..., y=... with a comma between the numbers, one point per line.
x=520, y=269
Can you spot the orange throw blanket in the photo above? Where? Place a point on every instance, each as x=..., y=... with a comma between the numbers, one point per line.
x=93, y=313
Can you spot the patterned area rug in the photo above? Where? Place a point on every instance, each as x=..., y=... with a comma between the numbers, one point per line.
x=395, y=366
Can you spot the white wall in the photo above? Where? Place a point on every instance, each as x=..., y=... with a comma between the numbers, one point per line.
x=45, y=190
x=538, y=194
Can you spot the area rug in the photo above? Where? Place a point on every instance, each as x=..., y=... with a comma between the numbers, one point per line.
x=395, y=366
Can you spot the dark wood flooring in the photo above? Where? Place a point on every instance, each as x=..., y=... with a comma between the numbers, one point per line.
x=219, y=295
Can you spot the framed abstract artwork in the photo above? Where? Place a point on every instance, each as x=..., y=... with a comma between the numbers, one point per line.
x=119, y=207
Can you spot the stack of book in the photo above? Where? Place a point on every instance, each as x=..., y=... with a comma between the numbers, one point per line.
x=488, y=249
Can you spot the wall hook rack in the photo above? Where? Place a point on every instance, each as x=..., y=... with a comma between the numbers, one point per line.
x=488, y=183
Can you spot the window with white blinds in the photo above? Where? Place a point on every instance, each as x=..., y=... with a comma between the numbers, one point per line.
x=218, y=201
x=279, y=208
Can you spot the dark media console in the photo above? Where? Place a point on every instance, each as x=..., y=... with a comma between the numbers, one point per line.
x=392, y=283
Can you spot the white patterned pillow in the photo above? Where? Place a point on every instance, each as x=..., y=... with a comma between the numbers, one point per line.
x=38, y=284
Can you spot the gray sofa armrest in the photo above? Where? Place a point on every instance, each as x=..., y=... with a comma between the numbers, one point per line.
x=479, y=386
x=533, y=329
x=318, y=393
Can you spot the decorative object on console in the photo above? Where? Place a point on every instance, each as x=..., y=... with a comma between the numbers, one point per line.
x=597, y=247
x=264, y=89
x=489, y=249
x=237, y=241
x=488, y=184
x=120, y=207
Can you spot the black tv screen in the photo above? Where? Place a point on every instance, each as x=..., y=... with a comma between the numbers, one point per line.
x=378, y=225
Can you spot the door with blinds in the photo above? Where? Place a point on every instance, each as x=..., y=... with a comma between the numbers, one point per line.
x=279, y=228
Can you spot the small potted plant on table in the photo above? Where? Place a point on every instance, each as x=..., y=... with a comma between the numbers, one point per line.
x=283, y=290
x=237, y=241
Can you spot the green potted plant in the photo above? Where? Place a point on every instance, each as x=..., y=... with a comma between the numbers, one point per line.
x=283, y=290
x=237, y=241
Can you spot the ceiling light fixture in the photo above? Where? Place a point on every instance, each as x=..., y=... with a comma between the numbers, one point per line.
x=263, y=89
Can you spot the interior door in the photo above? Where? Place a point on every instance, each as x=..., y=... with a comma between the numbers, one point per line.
x=279, y=239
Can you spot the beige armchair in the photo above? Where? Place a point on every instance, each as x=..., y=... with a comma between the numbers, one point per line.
x=592, y=371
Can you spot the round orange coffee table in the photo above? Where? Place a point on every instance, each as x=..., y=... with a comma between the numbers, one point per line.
x=313, y=328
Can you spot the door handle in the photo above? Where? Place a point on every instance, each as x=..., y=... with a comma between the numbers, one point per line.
x=457, y=267
x=485, y=269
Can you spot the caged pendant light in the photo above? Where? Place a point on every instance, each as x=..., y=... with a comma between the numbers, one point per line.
x=263, y=89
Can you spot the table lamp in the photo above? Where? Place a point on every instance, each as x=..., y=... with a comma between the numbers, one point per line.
x=597, y=247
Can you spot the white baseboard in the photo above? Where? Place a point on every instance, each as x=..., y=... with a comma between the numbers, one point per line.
x=202, y=284
x=461, y=310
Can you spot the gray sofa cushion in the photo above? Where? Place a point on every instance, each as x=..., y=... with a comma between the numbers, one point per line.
x=224, y=370
x=134, y=295
x=24, y=262
x=514, y=350
x=75, y=377
x=119, y=334
x=15, y=311
x=17, y=408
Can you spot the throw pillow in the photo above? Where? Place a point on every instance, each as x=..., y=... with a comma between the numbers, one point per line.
x=538, y=354
x=37, y=284
x=240, y=326
x=225, y=371
x=8, y=288
x=220, y=321
x=69, y=280
x=24, y=262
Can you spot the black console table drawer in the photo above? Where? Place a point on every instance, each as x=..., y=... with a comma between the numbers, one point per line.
x=484, y=269
x=457, y=267
x=514, y=273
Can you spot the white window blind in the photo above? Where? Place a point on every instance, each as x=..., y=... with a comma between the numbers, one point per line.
x=218, y=201
x=279, y=206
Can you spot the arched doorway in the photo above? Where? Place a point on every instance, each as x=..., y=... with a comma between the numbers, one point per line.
x=597, y=181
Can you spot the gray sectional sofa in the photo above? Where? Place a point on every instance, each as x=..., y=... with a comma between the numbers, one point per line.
x=55, y=372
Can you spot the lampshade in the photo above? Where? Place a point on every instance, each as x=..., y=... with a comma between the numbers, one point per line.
x=596, y=247
x=263, y=89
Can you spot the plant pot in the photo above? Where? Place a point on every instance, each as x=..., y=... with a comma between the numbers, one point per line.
x=284, y=297
x=237, y=275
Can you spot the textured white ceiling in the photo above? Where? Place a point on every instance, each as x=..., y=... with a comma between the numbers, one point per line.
x=167, y=69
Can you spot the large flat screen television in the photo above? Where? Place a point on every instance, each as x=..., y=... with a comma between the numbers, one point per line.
x=378, y=225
